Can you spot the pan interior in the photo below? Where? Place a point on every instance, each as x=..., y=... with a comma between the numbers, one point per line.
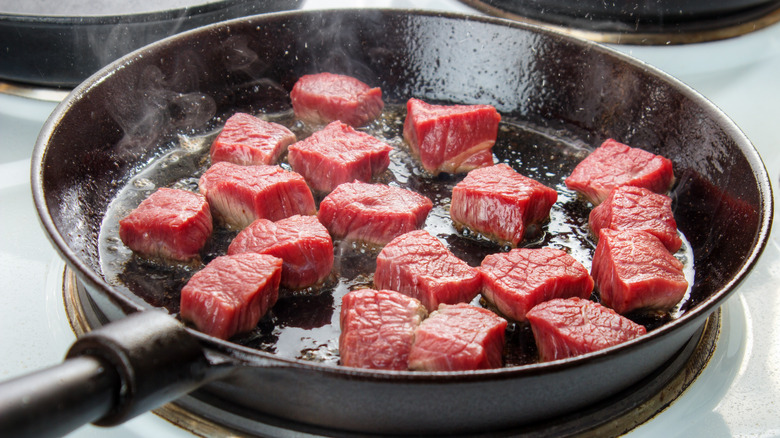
x=558, y=96
x=305, y=324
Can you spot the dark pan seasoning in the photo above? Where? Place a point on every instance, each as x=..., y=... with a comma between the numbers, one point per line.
x=558, y=96
x=305, y=324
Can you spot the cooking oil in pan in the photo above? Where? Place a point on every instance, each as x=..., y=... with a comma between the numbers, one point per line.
x=305, y=324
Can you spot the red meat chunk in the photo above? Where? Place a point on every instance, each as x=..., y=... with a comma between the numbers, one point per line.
x=419, y=265
x=325, y=97
x=239, y=195
x=374, y=213
x=302, y=242
x=451, y=138
x=615, y=164
x=520, y=279
x=338, y=154
x=500, y=203
x=570, y=327
x=458, y=337
x=247, y=140
x=634, y=270
x=377, y=329
x=231, y=294
x=170, y=224
x=636, y=208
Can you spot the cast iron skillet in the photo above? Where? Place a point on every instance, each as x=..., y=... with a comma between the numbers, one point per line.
x=569, y=88
x=640, y=16
x=62, y=43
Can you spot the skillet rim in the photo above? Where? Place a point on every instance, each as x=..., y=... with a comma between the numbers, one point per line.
x=249, y=356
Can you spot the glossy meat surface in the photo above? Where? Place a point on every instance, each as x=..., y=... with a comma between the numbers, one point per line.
x=231, y=294
x=500, y=203
x=374, y=213
x=338, y=154
x=169, y=224
x=246, y=139
x=520, y=279
x=615, y=164
x=633, y=270
x=570, y=327
x=636, y=208
x=451, y=138
x=419, y=265
x=239, y=195
x=458, y=337
x=302, y=242
x=324, y=97
x=377, y=329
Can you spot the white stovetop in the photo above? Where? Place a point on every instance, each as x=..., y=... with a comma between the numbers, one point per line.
x=738, y=394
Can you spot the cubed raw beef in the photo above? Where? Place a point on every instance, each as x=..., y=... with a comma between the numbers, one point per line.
x=170, y=224
x=325, y=97
x=242, y=194
x=518, y=280
x=246, y=140
x=500, y=203
x=451, y=138
x=377, y=329
x=615, y=164
x=634, y=270
x=338, y=154
x=636, y=208
x=374, y=213
x=458, y=337
x=570, y=327
x=419, y=265
x=231, y=294
x=302, y=242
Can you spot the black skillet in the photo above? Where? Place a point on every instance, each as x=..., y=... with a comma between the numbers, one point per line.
x=658, y=21
x=62, y=43
x=570, y=90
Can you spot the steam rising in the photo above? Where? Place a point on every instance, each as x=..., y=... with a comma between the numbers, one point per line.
x=161, y=104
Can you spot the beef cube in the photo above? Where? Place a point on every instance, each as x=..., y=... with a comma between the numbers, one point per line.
x=374, y=213
x=338, y=154
x=615, y=164
x=419, y=265
x=458, y=337
x=377, y=329
x=231, y=294
x=500, y=203
x=239, y=195
x=570, y=327
x=302, y=242
x=451, y=138
x=170, y=224
x=636, y=208
x=325, y=97
x=633, y=270
x=520, y=279
x=247, y=140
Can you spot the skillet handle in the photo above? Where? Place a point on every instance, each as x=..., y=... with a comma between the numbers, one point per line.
x=110, y=375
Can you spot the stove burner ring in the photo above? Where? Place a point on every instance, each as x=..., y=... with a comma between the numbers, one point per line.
x=613, y=417
x=36, y=92
x=626, y=28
